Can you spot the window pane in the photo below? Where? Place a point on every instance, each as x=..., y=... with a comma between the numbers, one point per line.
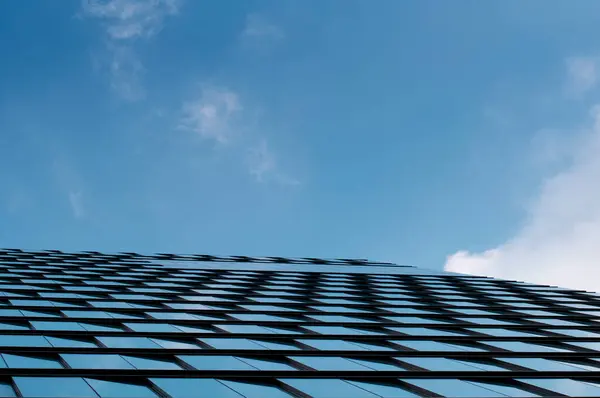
x=23, y=341
x=543, y=364
x=233, y=344
x=249, y=390
x=383, y=390
x=54, y=387
x=454, y=388
x=213, y=362
x=376, y=365
x=566, y=386
x=266, y=365
x=110, y=389
x=424, y=331
x=18, y=361
x=435, y=346
x=439, y=364
x=174, y=344
x=149, y=364
x=518, y=346
x=329, y=388
x=127, y=342
x=502, y=332
x=96, y=361
x=182, y=388
x=58, y=342
x=329, y=363
x=6, y=390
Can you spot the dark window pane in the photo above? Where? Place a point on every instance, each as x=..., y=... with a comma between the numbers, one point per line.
x=54, y=387
x=188, y=388
x=110, y=389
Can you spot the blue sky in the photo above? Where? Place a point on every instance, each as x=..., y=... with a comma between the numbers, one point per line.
x=402, y=131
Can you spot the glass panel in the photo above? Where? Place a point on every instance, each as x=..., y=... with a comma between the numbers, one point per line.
x=96, y=361
x=275, y=346
x=42, y=325
x=266, y=365
x=6, y=390
x=486, y=321
x=412, y=319
x=383, y=390
x=542, y=364
x=555, y=322
x=18, y=361
x=233, y=344
x=85, y=314
x=256, y=390
x=244, y=329
x=8, y=340
x=329, y=388
x=333, y=345
x=439, y=364
x=574, y=332
x=566, y=386
x=58, y=342
x=502, y=332
x=425, y=331
x=338, y=318
x=151, y=327
x=434, y=346
x=111, y=389
x=175, y=344
x=329, y=363
x=454, y=388
x=590, y=345
x=213, y=362
x=376, y=365
x=128, y=342
x=54, y=387
x=150, y=364
x=518, y=346
x=180, y=388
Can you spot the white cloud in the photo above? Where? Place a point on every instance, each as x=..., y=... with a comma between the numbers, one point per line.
x=582, y=75
x=76, y=202
x=213, y=114
x=260, y=31
x=126, y=21
x=131, y=19
x=262, y=165
x=559, y=242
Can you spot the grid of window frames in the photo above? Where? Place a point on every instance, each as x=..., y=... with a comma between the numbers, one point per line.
x=126, y=325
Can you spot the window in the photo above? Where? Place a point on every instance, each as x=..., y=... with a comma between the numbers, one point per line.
x=383, y=390
x=566, y=386
x=8, y=340
x=96, y=361
x=266, y=365
x=180, y=388
x=329, y=388
x=503, y=332
x=441, y=364
x=152, y=327
x=233, y=344
x=424, y=331
x=174, y=344
x=411, y=319
x=20, y=361
x=127, y=342
x=486, y=321
x=214, y=362
x=329, y=363
x=333, y=345
x=42, y=325
x=518, y=346
x=251, y=390
x=60, y=342
x=54, y=387
x=111, y=389
x=455, y=388
x=426, y=345
x=150, y=364
x=543, y=364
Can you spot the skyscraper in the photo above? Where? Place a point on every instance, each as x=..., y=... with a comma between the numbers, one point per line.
x=124, y=325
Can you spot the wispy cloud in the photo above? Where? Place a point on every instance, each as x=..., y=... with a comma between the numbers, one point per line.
x=76, y=202
x=212, y=114
x=582, y=75
x=125, y=22
x=558, y=243
x=219, y=115
x=263, y=166
x=259, y=31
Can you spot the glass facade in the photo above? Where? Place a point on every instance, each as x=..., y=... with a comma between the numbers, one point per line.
x=123, y=325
